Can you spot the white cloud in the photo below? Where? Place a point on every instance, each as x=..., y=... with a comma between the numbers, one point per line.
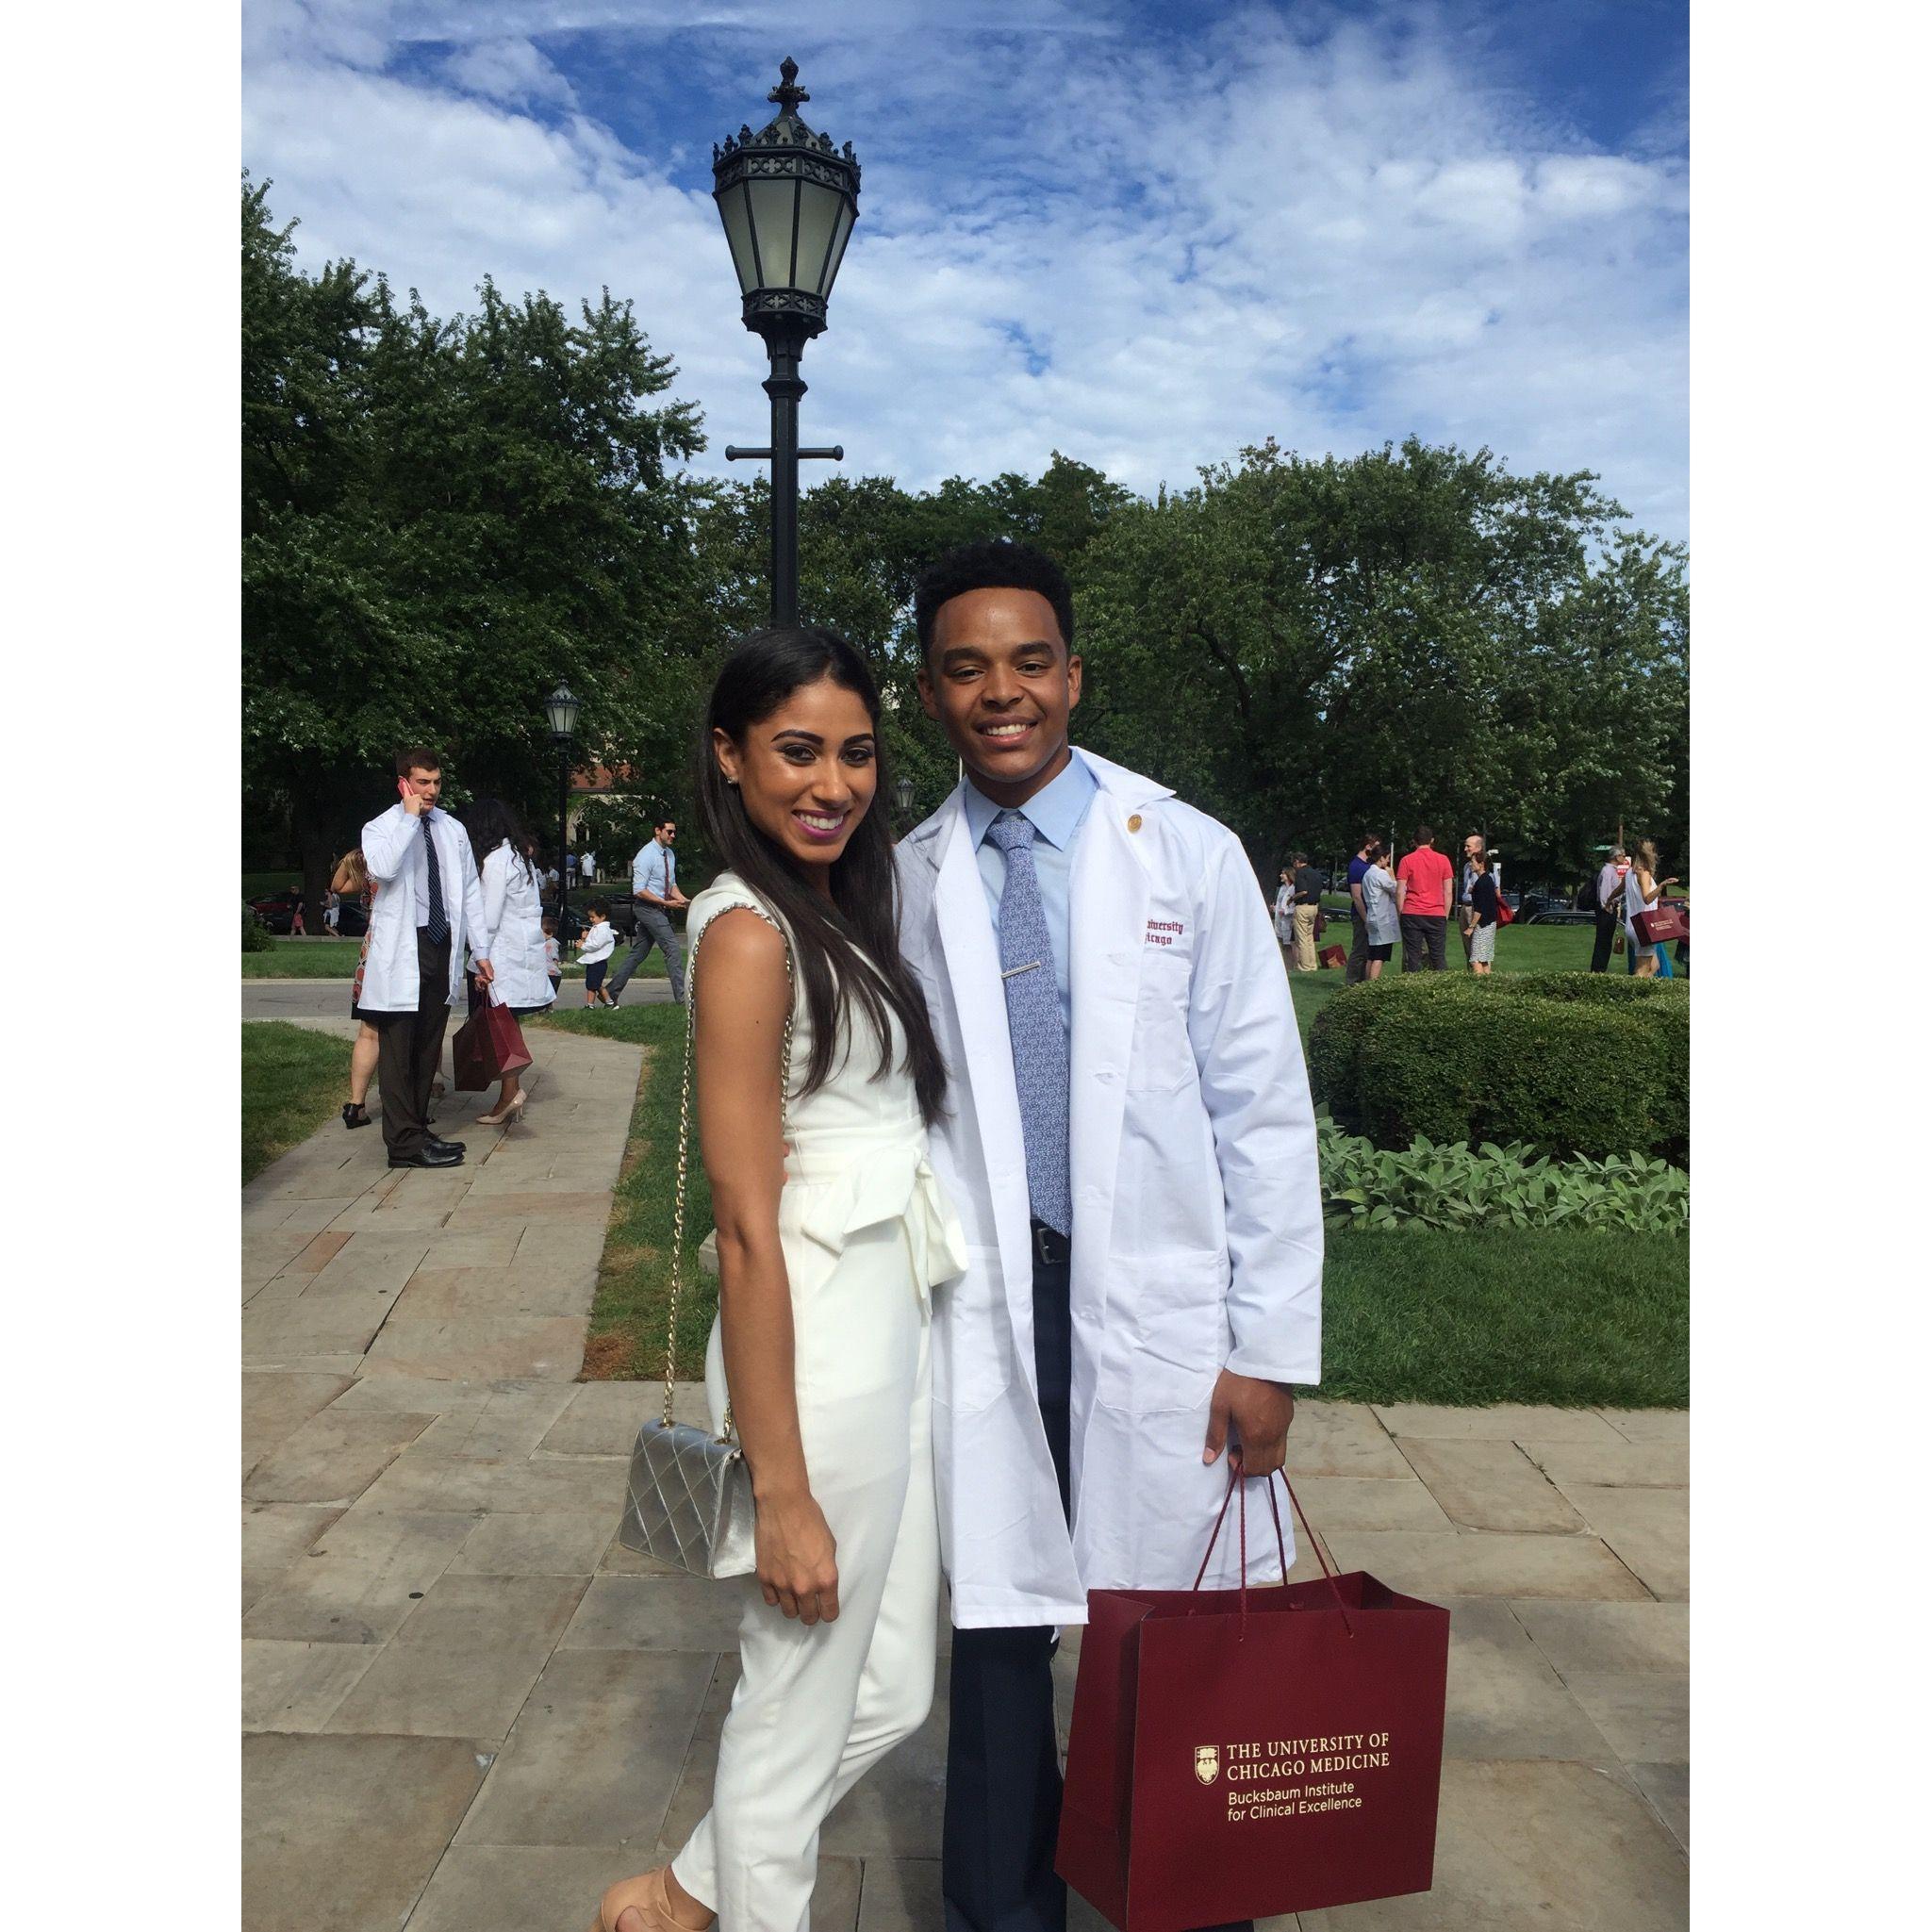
x=510, y=71
x=1315, y=229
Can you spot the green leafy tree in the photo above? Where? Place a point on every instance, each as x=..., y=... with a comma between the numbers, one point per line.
x=1312, y=648
x=442, y=519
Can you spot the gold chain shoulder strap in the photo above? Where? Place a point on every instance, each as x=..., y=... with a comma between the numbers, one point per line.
x=784, y=1091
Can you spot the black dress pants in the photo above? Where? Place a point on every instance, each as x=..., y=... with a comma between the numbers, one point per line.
x=1606, y=938
x=1003, y=1760
x=409, y=1048
x=1425, y=942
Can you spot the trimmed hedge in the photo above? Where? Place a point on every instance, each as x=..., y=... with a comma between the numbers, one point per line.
x=255, y=935
x=1569, y=1063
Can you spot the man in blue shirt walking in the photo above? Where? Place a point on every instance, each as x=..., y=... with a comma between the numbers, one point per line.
x=654, y=886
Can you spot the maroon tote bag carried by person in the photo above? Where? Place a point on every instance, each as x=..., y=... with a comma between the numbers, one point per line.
x=487, y=1044
x=1242, y=1753
x=1668, y=919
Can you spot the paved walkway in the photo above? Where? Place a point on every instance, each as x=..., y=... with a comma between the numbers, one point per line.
x=467, y=1709
x=299, y=1000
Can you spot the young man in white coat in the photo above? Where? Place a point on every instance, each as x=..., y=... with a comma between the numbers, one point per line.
x=428, y=902
x=1130, y=1148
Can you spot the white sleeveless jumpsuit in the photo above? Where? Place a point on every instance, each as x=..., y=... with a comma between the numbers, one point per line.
x=866, y=1235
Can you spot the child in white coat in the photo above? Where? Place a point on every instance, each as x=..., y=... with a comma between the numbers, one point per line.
x=593, y=955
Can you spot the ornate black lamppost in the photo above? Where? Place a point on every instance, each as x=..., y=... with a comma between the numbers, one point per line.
x=789, y=199
x=562, y=709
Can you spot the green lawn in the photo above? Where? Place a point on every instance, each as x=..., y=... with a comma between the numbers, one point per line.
x=335, y=959
x=303, y=959
x=293, y=1080
x=629, y=1317
x=1506, y=1315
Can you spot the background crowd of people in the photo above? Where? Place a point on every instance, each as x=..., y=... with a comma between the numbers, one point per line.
x=1410, y=902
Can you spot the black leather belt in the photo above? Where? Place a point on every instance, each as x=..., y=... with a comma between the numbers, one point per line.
x=1051, y=1248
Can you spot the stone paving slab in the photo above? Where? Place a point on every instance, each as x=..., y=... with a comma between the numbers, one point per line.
x=1580, y=1639
x=1342, y=1439
x=1488, y=1485
x=297, y=1687
x=463, y=1662
x=332, y=1458
x=1505, y=1700
x=362, y=1578
x=343, y=1832
x=555, y=1544
x=1620, y=1465
x=1477, y=1562
x=1650, y=1424
x=596, y=1753
x=1503, y=1422
x=548, y=1345
x=1649, y=1529
x=273, y=1407
x=273, y=1535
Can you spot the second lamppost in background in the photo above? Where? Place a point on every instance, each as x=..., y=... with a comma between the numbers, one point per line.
x=562, y=709
x=789, y=199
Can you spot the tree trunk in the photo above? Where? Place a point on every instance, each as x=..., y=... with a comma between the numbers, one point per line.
x=317, y=857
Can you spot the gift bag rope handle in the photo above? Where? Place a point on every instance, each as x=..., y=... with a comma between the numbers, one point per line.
x=784, y=1096
x=1234, y=1482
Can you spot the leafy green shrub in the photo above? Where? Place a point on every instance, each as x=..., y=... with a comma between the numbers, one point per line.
x=255, y=935
x=1367, y=1189
x=1569, y=1063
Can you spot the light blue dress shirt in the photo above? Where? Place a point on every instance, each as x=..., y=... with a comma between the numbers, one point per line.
x=654, y=869
x=1057, y=813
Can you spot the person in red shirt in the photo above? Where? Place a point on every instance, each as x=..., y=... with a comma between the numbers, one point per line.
x=1424, y=878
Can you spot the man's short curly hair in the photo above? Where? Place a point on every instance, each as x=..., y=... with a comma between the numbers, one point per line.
x=993, y=563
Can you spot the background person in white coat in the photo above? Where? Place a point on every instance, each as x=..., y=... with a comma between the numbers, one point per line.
x=1130, y=1147
x=429, y=904
x=511, y=934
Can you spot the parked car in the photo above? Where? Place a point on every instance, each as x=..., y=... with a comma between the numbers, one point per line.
x=277, y=910
x=1550, y=908
x=278, y=913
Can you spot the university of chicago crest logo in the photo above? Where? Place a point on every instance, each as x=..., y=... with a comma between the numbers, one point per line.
x=1207, y=1762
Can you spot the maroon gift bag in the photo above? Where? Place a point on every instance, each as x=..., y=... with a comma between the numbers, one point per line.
x=487, y=1044
x=1668, y=919
x=1238, y=1754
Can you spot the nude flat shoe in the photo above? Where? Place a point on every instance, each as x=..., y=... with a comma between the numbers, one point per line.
x=647, y=1896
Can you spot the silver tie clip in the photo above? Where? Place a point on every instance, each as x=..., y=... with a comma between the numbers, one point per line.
x=1033, y=965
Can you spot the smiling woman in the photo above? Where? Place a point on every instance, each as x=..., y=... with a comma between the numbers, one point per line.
x=789, y=773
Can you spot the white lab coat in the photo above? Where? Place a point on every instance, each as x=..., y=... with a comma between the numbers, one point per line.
x=1196, y=1209
x=511, y=934
x=393, y=850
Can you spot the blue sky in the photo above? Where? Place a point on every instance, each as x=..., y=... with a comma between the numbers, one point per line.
x=1143, y=234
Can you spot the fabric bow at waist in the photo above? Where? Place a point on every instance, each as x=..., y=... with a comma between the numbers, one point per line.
x=866, y=1190
x=885, y=1184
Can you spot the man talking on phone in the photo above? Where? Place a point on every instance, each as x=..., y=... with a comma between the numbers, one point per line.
x=427, y=899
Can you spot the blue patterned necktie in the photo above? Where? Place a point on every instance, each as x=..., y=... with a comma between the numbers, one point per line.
x=438, y=926
x=1033, y=1024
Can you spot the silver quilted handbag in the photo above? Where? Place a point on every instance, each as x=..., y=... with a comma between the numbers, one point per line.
x=690, y=1493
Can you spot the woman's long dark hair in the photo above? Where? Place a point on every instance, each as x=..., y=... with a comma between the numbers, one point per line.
x=488, y=822
x=850, y=942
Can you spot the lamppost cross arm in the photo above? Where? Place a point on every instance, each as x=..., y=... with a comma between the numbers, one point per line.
x=732, y=454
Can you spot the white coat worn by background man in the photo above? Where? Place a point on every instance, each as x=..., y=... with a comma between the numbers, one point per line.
x=416, y=942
